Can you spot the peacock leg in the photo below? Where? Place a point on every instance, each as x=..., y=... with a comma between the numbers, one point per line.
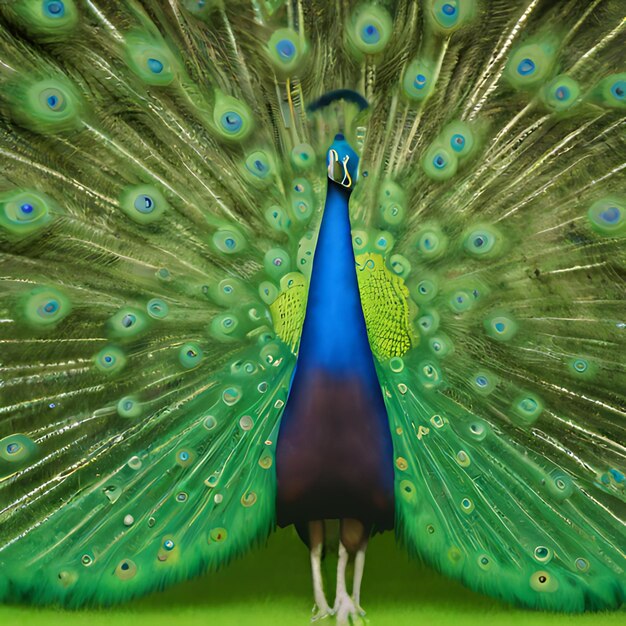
x=359, y=565
x=321, y=609
x=353, y=540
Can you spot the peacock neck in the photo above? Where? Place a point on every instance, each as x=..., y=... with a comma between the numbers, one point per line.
x=334, y=337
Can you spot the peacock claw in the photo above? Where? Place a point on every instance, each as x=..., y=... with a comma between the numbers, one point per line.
x=347, y=611
x=320, y=613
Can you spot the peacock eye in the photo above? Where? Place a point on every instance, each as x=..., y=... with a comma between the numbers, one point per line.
x=129, y=407
x=53, y=100
x=285, y=48
x=54, y=8
x=439, y=161
x=154, y=65
x=526, y=67
x=618, y=89
x=157, y=308
x=370, y=30
x=370, y=34
x=457, y=142
x=445, y=13
x=231, y=121
x=190, y=355
x=607, y=216
x=562, y=93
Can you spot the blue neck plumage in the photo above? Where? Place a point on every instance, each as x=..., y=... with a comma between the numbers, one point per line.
x=334, y=337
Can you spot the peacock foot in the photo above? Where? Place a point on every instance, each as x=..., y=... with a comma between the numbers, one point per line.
x=347, y=611
x=321, y=612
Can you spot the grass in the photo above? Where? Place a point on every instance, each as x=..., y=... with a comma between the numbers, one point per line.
x=272, y=587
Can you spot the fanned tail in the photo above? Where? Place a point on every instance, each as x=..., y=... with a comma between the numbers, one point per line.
x=493, y=210
x=161, y=187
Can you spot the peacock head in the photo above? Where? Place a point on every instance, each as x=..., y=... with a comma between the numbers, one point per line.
x=341, y=111
x=342, y=162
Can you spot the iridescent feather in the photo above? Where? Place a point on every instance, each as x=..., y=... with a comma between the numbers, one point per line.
x=161, y=189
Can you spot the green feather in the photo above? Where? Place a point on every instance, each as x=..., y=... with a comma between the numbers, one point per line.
x=161, y=189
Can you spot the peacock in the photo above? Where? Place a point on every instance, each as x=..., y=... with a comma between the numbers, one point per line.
x=286, y=262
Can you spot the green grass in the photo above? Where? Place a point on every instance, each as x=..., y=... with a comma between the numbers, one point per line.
x=272, y=587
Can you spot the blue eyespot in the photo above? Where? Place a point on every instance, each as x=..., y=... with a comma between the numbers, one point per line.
x=232, y=121
x=457, y=142
x=51, y=307
x=611, y=215
x=619, y=89
x=168, y=544
x=144, y=204
x=155, y=66
x=526, y=67
x=562, y=93
x=54, y=8
x=446, y=13
x=439, y=162
x=481, y=381
x=27, y=208
x=500, y=326
x=184, y=455
x=108, y=359
x=12, y=448
x=53, y=99
x=420, y=81
x=128, y=320
x=285, y=48
x=229, y=242
x=370, y=34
